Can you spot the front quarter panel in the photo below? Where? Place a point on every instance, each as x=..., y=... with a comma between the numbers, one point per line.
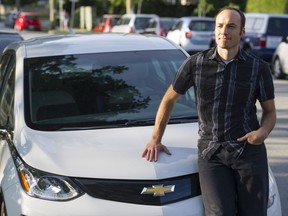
x=8, y=173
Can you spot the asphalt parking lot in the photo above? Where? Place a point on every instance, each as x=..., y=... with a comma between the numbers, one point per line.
x=277, y=143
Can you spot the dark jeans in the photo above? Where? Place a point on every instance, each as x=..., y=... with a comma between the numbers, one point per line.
x=235, y=186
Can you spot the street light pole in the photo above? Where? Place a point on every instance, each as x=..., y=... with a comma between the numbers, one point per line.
x=18, y=5
x=51, y=13
x=128, y=6
x=61, y=2
x=72, y=15
x=0, y=10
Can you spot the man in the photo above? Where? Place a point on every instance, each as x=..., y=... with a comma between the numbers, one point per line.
x=232, y=162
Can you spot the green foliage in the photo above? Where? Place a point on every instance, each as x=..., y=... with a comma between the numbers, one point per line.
x=211, y=7
x=22, y=2
x=163, y=9
x=267, y=6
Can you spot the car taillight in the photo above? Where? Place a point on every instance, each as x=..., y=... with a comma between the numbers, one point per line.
x=162, y=32
x=107, y=28
x=131, y=30
x=188, y=34
x=262, y=42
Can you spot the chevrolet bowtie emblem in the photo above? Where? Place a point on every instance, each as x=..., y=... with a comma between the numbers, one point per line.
x=158, y=190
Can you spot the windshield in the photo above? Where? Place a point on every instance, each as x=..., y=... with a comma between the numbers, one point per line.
x=101, y=90
x=201, y=25
x=254, y=24
x=275, y=25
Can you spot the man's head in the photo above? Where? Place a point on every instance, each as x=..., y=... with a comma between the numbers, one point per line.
x=242, y=16
x=229, y=28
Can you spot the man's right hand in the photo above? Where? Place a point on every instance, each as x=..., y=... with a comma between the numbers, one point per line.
x=153, y=149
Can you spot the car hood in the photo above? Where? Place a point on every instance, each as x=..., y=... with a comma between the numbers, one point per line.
x=110, y=153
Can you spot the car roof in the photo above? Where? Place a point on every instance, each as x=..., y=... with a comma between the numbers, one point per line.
x=168, y=18
x=111, y=15
x=188, y=18
x=265, y=15
x=139, y=15
x=54, y=45
x=28, y=14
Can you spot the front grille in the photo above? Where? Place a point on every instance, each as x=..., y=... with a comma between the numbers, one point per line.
x=129, y=191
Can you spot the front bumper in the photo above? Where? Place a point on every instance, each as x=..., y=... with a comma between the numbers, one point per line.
x=19, y=203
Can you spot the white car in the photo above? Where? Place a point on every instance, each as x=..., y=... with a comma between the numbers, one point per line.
x=280, y=60
x=76, y=112
x=132, y=23
x=160, y=25
x=193, y=34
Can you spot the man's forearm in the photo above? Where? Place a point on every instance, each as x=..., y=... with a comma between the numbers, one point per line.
x=268, y=119
x=164, y=113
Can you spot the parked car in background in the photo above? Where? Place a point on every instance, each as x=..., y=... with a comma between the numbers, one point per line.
x=76, y=111
x=132, y=23
x=28, y=21
x=8, y=37
x=280, y=60
x=192, y=33
x=160, y=25
x=264, y=32
x=106, y=23
x=10, y=18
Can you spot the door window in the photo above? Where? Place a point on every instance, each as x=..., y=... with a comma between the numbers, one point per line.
x=7, y=91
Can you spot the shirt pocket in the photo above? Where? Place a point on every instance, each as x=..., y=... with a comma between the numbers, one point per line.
x=243, y=91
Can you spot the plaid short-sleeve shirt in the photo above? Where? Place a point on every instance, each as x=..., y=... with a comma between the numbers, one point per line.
x=226, y=95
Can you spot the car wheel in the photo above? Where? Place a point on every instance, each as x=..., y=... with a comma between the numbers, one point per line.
x=246, y=46
x=277, y=69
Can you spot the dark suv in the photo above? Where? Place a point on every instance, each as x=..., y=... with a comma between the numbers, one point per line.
x=264, y=32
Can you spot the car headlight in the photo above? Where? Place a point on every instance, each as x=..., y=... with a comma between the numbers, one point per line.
x=44, y=185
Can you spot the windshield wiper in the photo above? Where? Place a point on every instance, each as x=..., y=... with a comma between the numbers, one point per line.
x=140, y=122
x=130, y=123
x=173, y=120
x=86, y=128
x=183, y=119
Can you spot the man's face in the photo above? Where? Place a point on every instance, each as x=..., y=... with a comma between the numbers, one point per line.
x=228, y=29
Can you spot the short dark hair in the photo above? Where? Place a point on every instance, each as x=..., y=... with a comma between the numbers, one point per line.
x=242, y=16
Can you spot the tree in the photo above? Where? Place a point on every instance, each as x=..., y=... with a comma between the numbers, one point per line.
x=267, y=6
x=18, y=3
x=212, y=6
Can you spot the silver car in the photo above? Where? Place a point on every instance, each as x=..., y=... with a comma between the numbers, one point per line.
x=193, y=34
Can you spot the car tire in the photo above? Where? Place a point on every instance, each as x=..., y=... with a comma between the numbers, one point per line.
x=277, y=69
x=2, y=208
x=246, y=46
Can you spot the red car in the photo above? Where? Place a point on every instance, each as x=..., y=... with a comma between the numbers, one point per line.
x=106, y=23
x=28, y=21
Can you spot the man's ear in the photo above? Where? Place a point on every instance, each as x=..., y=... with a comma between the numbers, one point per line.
x=242, y=32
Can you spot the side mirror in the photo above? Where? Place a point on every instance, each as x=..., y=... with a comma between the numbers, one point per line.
x=5, y=135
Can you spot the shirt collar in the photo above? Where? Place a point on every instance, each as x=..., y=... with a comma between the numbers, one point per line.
x=213, y=54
